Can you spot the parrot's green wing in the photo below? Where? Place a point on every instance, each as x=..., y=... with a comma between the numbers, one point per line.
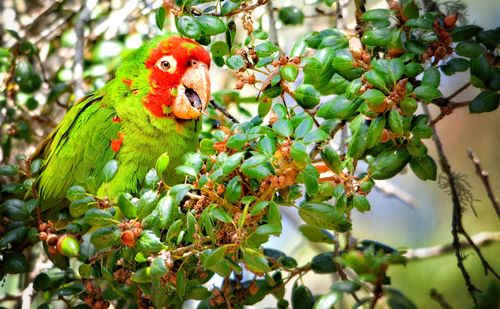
x=76, y=152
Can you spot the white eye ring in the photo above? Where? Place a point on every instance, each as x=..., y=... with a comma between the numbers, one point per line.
x=167, y=64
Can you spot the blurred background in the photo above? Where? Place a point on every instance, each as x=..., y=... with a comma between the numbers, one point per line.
x=109, y=28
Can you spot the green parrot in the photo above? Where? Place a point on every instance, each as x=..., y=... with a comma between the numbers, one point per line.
x=152, y=106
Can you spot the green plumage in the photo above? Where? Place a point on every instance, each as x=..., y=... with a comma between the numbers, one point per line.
x=76, y=152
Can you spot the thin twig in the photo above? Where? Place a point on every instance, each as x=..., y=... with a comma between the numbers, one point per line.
x=438, y=297
x=457, y=226
x=482, y=239
x=273, y=32
x=483, y=175
x=244, y=8
x=458, y=91
x=224, y=111
x=391, y=190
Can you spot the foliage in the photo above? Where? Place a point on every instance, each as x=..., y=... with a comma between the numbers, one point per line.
x=162, y=245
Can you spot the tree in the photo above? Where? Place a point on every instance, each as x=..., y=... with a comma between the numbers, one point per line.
x=330, y=117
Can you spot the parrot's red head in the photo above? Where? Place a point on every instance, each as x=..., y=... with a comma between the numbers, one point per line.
x=178, y=78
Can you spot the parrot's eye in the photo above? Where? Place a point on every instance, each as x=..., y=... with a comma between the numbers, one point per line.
x=167, y=64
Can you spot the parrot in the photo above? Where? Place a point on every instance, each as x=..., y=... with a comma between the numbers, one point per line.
x=153, y=105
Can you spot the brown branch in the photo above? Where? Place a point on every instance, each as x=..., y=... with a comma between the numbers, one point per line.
x=457, y=225
x=482, y=239
x=458, y=91
x=483, y=175
x=438, y=297
x=273, y=32
x=390, y=190
x=244, y=8
x=224, y=111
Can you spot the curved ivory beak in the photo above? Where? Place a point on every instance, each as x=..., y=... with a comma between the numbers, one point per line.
x=193, y=93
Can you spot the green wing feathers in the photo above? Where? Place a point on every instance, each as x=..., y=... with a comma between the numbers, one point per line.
x=78, y=149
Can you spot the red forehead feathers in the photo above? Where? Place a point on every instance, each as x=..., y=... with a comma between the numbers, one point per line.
x=181, y=49
x=161, y=94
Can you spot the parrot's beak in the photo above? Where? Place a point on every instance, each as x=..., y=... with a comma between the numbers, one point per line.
x=193, y=92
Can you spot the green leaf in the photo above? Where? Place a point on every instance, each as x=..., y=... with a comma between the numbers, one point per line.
x=343, y=63
x=289, y=72
x=412, y=69
x=465, y=32
x=338, y=107
x=236, y=141
x=376, y=80
x=96, y=216
x=186, y=171
x=324, y=216
x=328, y=300
x=323, y=263
x=211, y=25
x=376, y=15
x=76, y=193
x=357, y=145
x=306, y=96
x=422, y=131
x=231, y=163
x=268, y=229
x=424, y=167
x=188, y=27
x=267, y=146
x=255, y=260
x=142, y=275
x=149, y=243
x=360, y=202
x=214, y=257
x=311, y=180
x=374, y=98
x=283, y=127
x=396, y=69
x=146, y=204
x=255, y=167
x=427, y=93
x=376, y=37
x=219, y=48
x=160, y=17
x=395, y=122
x=105, y=237
x=109, y=170
x=315, y=234
x=388, y=163
x=480, y=68
x=299, y=153
x=166, y=211
x=302, y=297
x=291, y=15
x=77, y=208
x=468, y=49
x=331, y=159
x=14, y=263
x=220, y=214
x=375, y=131
x=235, y=62
x=486, y=101
x=304, y=127
x=458, y=64
x=233, y=190
x=266, y=49
x=432, y=77
x=9, y=170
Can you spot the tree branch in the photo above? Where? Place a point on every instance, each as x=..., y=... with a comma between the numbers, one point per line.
x=440, y=299
x=457, y=225
x=482, y=239
x=483, y=175
x=224, y=111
